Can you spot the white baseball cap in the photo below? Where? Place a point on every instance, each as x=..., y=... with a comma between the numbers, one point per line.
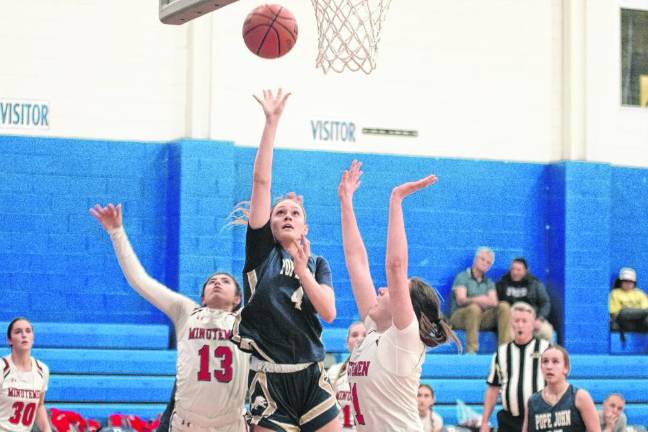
x=628, y=274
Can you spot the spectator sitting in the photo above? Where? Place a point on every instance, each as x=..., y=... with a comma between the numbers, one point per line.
x=475, y=305
x=611, y=417
x=432, y=422
x=628, y=304
x=520, y=285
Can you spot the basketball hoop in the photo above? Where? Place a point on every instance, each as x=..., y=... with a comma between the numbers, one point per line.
x=349, y=32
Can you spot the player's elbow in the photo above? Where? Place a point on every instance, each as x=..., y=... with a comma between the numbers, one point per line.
x=261, y=179
x=395, y=264
x=329, y=314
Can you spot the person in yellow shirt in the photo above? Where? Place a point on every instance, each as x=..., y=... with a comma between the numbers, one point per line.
x=628, y=304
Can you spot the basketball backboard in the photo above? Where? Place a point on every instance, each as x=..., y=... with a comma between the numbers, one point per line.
x=181, y=11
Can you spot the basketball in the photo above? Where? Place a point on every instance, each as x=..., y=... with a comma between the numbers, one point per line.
x=270, y=31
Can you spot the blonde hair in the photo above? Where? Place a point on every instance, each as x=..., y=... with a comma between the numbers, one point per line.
x=521, y=306
x=240, y=214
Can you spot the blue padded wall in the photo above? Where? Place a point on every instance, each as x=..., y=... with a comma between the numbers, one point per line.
x=628, y=227
x=576, y=223
x=587, y=255
x=56, y=263
x=475, y=203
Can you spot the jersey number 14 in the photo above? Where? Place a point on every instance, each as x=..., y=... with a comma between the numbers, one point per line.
x=224, y=355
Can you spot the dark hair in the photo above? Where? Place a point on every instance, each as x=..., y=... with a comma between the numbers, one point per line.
x=427, y=386
x=522, y=261
x=618, y=282
x=237, y=287
x=433, y=328
x=14, y=321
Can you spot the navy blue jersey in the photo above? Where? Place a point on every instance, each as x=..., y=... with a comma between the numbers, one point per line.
x=562, y=417
x=278, y=323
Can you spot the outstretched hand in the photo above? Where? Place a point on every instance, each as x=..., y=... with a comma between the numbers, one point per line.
x=350, y=181
x=409, y=188
x=110, y=217
x=273, y=105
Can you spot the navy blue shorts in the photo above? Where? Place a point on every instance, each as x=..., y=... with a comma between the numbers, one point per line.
x=295, y=401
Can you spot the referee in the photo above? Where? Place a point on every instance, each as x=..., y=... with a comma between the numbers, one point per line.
x=514, y=372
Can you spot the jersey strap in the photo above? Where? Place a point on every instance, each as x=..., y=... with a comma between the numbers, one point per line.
x=5, y=370
x=41, y=372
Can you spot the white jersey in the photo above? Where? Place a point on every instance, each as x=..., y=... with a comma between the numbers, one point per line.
x=432, y=422
x=211, y=371
x=340, y=383
x=384, y=372
x=20, y=394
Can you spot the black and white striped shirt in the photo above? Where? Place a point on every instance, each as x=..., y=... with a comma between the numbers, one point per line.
x=516, y=370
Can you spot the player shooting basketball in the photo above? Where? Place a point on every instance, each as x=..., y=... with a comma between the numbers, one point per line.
x=285, y=288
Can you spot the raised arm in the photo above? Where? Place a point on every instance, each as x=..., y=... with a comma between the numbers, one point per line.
x=260, y=201
x=171, y=303
x=397, y=255
x=355, y=253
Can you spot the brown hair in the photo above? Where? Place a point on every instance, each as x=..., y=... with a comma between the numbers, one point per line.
x=427, y=386
x=562, y=350
x=433, y=328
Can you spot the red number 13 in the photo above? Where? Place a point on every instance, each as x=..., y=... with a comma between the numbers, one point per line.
x=222, y=374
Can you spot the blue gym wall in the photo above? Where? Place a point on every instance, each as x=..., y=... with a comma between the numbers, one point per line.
x=629, y=223
x=576, y=223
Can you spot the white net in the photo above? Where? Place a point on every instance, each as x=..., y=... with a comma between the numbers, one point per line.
x=349, y=32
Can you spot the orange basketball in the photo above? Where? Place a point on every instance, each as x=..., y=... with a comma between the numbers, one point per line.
x=270, y=31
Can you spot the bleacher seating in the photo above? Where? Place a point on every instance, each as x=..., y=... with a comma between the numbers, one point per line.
x=99, y=376
x=335, y=341
x=101, y=369
x=635, y=343
x=463, y=377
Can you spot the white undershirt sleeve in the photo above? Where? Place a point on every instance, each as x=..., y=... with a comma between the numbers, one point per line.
x=174, y=305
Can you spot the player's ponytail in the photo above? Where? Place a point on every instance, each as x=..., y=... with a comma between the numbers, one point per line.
x=434, y=330
x=240, y=214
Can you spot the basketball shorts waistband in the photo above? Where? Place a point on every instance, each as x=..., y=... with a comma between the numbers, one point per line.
x=264, y=366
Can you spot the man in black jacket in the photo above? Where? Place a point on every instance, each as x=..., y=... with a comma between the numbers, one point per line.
x=519, y=285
